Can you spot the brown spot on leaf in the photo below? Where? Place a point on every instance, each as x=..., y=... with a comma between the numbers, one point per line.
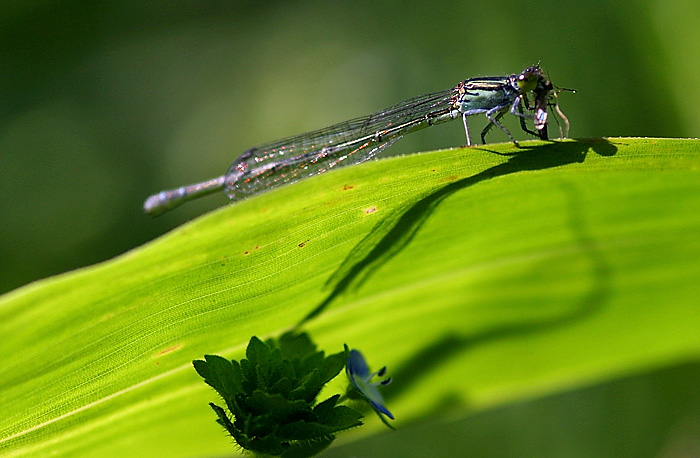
x=371, y=210
x=169, y=350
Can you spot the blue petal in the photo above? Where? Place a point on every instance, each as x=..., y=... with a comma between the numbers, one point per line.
x=382, y=409
x=372, y=394
x=358, y=373
x=375, y=398
x=357, y=366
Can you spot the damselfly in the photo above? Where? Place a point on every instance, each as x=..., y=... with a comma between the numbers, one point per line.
x=288, y=160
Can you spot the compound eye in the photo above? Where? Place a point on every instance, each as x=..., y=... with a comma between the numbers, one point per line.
x=527, y=81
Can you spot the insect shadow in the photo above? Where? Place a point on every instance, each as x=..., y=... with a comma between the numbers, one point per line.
x=391, y=234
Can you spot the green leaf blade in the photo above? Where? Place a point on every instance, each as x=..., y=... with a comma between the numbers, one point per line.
x=479, y=280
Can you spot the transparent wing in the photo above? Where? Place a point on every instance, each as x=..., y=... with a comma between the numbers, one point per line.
x=288, y=160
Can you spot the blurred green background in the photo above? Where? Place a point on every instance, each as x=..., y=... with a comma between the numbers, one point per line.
x=104, y=103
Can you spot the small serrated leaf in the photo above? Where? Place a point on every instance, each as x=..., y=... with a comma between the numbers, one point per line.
x=304, y=430
x=250, y=376
x=295, y=345
x=342, y=417
x=308, y=387
x=282, y=387
x=221, y=374
x=331, y=366
x=307, y=449
x=222, y=419
x=257, y=351
x=269, y=445
x=286, y=370
x=324, y=408
x=275, y=405
x=311, y=362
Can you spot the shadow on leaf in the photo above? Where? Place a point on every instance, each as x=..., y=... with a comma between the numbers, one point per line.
x=393, y=233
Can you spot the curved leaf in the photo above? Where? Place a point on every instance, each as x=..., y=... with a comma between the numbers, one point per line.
x=480, y=279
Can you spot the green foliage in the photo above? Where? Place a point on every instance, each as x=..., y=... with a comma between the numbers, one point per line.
x=272, y=395
x=484, y=281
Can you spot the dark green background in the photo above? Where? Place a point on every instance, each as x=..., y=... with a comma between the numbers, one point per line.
x=104, y=103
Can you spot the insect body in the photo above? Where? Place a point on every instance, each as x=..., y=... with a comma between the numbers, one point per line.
x=291, y=159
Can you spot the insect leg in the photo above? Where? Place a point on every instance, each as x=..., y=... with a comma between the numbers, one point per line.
x=489, y=115
x=466, y=128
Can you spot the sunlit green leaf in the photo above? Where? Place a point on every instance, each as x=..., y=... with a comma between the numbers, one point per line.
x=479, y=279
